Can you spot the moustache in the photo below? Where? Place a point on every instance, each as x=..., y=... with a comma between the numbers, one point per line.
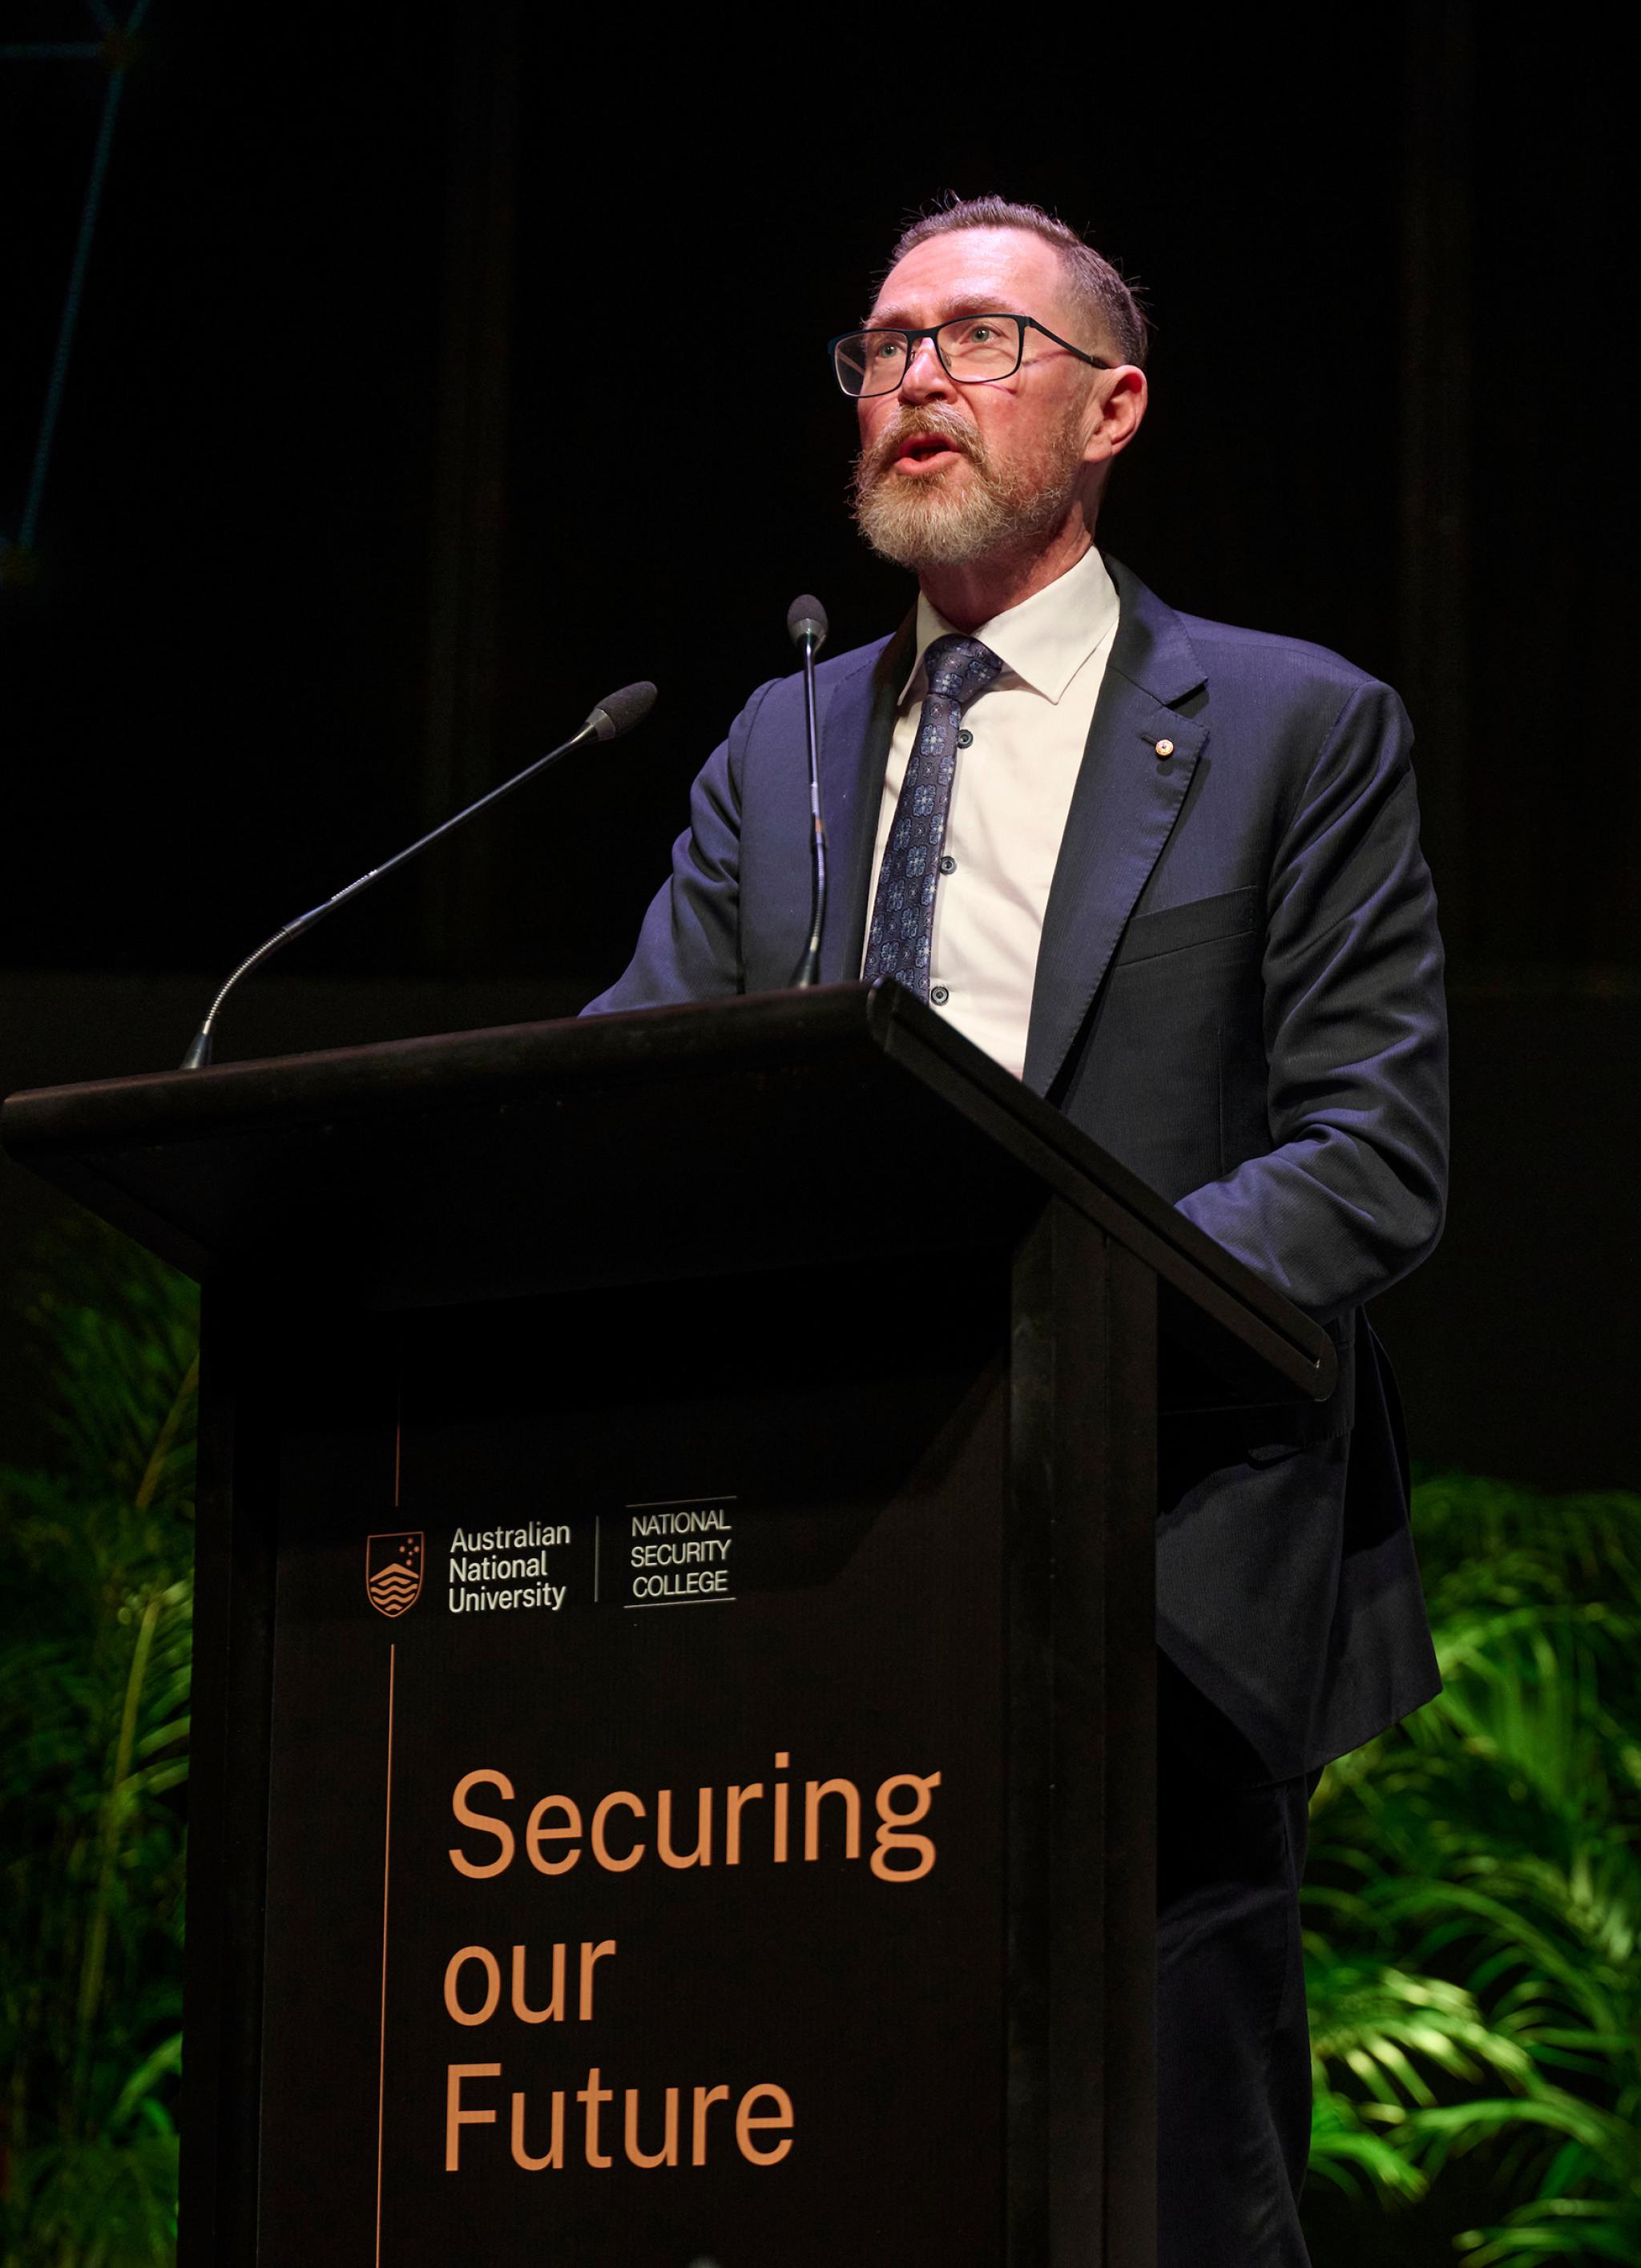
x=913, y=424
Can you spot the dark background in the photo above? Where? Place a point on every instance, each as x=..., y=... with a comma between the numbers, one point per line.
x=392, y=439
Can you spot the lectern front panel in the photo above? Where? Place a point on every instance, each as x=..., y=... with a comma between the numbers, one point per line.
x=637, y=1858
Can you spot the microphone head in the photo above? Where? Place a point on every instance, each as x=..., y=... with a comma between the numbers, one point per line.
x=805, y=619
x=618, y=712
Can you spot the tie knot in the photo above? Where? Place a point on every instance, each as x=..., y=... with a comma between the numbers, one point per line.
x=960, y=668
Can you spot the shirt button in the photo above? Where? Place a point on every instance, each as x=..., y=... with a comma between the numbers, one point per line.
x=939, y=996
x=948, y=864
x=965, y=739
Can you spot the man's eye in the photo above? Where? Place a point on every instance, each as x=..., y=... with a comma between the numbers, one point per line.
x=889, y=348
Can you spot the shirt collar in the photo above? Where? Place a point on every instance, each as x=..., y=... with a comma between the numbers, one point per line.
x=1046, y=639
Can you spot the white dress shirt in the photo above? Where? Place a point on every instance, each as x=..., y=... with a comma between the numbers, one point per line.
x=1010, y=798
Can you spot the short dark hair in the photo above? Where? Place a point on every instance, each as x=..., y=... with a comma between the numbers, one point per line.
x=1107, y=299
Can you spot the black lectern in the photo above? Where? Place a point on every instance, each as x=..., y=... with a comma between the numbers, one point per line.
x=674, y=1687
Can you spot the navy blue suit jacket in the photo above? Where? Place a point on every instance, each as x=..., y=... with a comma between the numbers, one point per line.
x=1239, y=994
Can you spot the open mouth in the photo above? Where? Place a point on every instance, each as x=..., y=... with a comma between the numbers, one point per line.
x=924, y=452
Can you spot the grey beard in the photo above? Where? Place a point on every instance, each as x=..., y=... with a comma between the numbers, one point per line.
x=921, y=524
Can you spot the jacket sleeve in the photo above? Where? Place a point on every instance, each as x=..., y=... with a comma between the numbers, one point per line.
x=1350, y=1195
x=690, y=945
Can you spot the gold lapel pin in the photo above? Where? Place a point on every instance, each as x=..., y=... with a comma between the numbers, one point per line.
x=1165, y=747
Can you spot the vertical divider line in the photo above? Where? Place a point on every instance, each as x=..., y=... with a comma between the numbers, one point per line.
x=58, y=378
x=381, y=2059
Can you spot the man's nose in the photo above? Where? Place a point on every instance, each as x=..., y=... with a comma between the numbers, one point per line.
x=925, y=377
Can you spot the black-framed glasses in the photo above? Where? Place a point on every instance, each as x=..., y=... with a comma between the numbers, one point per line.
x=975, y=349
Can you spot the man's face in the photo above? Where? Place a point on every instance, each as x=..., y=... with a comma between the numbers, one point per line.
x=950, y=474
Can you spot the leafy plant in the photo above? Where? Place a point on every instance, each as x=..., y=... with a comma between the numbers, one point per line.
x=95, y=1629
x=1475, y=1895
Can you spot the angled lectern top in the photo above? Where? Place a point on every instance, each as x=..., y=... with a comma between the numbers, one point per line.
x=672, y=1777
x=774, y=1131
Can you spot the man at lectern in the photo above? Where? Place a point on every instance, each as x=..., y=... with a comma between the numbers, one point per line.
x=1168, y=872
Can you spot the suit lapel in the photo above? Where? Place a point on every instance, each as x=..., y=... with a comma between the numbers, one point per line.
x=1123, y=809
x=856, y=728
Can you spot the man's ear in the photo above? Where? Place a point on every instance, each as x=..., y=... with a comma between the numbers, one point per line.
x=1124, y=396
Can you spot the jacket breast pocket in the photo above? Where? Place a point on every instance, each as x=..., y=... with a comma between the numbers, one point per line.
x=1173, y=1081
x=1204, y=921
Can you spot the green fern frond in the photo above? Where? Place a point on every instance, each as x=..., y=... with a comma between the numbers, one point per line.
x=1350, y=2156
x=1488, y=1854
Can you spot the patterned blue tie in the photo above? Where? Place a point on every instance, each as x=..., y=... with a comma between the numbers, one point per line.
x=902, y=913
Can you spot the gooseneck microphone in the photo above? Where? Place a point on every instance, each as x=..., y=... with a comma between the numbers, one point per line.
x=615, y=715
x=806, y=626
